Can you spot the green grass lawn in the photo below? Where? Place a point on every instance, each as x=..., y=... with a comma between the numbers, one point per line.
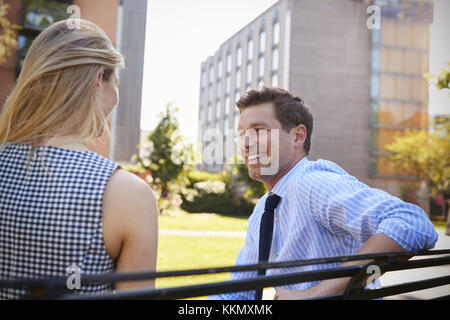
x=439, y=224
x=203, y=221
x=183, y=252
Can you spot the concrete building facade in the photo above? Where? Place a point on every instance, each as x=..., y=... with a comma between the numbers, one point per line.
x=363, y=83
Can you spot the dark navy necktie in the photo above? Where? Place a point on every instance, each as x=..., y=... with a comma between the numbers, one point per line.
x=265, y=235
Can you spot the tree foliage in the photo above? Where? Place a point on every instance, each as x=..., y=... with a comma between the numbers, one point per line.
x=8, y=33
x=425, y=155
x=160, y=144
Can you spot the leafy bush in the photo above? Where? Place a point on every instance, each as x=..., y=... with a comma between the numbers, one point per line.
x=212, y=192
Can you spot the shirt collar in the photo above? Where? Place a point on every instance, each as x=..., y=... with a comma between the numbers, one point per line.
x=280, y=187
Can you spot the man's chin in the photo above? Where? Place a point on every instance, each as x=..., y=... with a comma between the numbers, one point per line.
x=254, y=171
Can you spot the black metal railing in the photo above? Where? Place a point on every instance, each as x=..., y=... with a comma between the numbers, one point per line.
x=56, y=288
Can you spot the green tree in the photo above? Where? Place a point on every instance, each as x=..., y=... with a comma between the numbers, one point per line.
x=8, y=33
x=160, y=143
x=426, y=156
x=443, y=79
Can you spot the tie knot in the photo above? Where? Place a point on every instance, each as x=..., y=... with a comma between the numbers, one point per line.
x=272, y=202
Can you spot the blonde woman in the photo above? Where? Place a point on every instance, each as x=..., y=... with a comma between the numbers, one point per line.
x=62, y=206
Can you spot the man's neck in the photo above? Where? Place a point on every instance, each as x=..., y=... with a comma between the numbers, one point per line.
x=270, y=184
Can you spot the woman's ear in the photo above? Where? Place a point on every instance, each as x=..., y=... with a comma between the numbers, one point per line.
x=98, y=81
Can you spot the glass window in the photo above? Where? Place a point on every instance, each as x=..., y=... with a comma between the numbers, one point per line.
x=387, y=86
x=39, y=14
x=203, y=79
x=419, y=90
x=238, y=79
x=226, y=124
x=227, y=85
x=275, y=59
x=236, y=120
x=261, y=67
x=386, y=166
x=237, y=96
x=423, y=62
x=262, y=41
x=211, y=73
x=384, y=59
x=388, y=33
x=420, y=36
x=210, y=112
x=375, y=59
x=210, y=93
x=227, y=106
x=249, y=73
x=276, y=33
x=420, y=116
x=395, y=60
x=260, y=84
x=403, y=88
x=412, y=62
x=218, y=88
x=218, y=110
x=374, y=86
x=404, y=35
x=275, y=80
x=250, y=49
x=386, y=136
x=239, y=56
x=229, y=62
x=219, y=69
x=390, y=113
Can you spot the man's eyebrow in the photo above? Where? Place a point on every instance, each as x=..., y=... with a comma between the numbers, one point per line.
x=259, y=124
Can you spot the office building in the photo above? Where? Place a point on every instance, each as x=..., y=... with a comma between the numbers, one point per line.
x=363, y=83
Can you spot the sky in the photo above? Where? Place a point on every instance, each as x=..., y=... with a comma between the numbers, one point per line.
x=181, y=34
x=439, y=101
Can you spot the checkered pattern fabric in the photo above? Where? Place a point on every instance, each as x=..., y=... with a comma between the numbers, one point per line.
x=51, y=215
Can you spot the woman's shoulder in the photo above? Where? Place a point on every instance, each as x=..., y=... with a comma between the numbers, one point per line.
x=123, y=182
x=129, y=206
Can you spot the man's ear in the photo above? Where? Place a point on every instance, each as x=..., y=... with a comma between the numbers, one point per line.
x=299, y=133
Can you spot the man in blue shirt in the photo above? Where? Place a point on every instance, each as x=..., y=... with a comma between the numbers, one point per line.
x=322, y=210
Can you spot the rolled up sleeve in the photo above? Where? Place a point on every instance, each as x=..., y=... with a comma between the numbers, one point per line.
x=344, y=205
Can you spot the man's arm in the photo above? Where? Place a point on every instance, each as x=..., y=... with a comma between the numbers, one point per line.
x=380, y=221
x=376, y=243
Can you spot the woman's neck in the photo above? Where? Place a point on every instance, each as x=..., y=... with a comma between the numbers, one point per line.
x=67, y=142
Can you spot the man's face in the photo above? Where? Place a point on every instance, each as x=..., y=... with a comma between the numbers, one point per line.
x=265, y=146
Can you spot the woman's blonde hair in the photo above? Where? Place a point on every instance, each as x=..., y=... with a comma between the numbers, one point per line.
x=55, y=93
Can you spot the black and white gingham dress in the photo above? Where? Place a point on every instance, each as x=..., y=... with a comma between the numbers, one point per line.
x=51, y=214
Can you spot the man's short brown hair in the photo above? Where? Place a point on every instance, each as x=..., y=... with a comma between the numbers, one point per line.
x=290, y=111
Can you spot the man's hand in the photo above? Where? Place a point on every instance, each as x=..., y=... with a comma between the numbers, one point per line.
x=376, y=243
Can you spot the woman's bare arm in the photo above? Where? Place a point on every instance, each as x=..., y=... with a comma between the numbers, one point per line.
x=130, y=218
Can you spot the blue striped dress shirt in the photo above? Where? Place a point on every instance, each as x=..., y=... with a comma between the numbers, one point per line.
x=326, y=212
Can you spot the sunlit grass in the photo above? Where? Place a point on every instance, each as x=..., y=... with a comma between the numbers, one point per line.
x=181, y=252
x=203, y=221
